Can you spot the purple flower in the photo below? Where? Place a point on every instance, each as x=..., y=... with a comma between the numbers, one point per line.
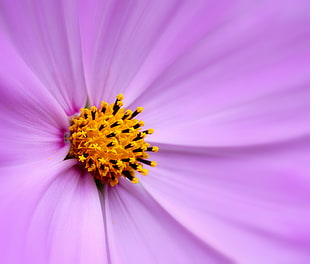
x=225, y=84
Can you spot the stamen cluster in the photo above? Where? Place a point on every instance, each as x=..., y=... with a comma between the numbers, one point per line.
x=109, y=142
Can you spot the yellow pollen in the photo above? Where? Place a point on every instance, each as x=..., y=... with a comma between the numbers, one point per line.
x=82, y=158
x=109, y=142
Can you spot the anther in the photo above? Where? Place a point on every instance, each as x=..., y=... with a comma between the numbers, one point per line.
x=149, y=131
x=111, y=135
x=101, y=127
x=138, y=111
x=116, y=123
x=126, y=130
x=103, y=107
x=141, y=123
x=137, y=150
x=117, y=106
x=133, y=165
x=139, y=136
x=128, y=175
x=120, y=97
x=127, y=114
x=109, y=142
x=148, y=162
x=128, y=146
x=153, y=149
x=115, y=109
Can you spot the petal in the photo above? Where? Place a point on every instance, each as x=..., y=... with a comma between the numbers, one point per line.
x=50, y=212
x=128, y=44
x=240, y=201
x=272, y=118
x=145, y=233
x=231, y=77
x=32, y=122
x=46, y=37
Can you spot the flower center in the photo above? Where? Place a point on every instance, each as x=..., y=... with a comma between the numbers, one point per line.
x=109, y=142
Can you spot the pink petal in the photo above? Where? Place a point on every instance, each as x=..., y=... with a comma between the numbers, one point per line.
x=126, y=45
x=145, y=233
x=46, y=37
x=265, y=119
x=240, y=201
x=52, y=214
x=32, y=122
x=246, y=72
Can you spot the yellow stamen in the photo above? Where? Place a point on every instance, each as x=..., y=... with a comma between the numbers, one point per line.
x=153, y=164
x=120, y=97
x=139, y=109
x=82, y=158
x=135, y=180
x=155, y=149
x=109, y=142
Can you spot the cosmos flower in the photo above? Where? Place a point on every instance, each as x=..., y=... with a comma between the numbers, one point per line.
x=225, y=86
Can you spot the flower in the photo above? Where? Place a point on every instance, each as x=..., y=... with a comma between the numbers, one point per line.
x=225, y=85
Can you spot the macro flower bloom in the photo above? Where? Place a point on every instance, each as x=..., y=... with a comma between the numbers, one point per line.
x=225, y=86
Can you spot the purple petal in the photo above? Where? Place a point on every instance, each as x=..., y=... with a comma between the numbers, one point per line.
x=145, y=233
x=32, y=122
x=126, y=45
x=237, y=76
x=240, y=201
x=265, y=119
x=52, y=214
x=46, y=36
